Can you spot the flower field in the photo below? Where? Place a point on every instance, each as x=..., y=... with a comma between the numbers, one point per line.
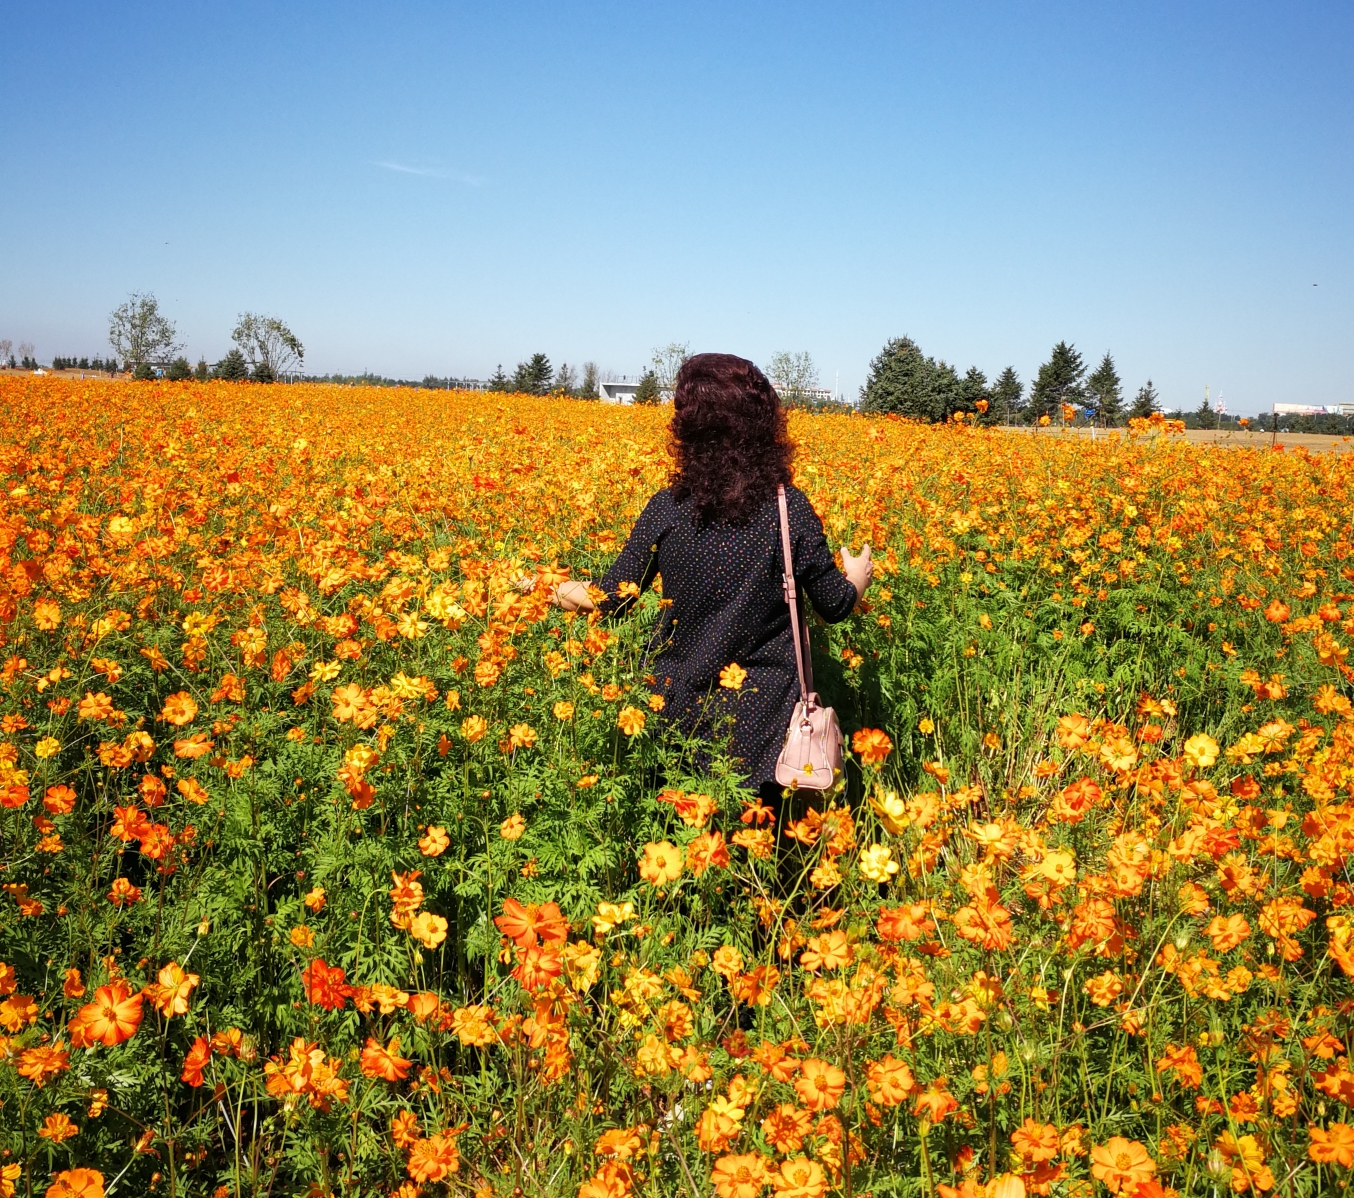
x=337, y=862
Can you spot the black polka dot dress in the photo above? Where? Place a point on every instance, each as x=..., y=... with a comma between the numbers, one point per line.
x=728, y=606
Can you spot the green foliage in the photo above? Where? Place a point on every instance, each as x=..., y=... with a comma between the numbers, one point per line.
x=648, y=392
x=532, y=377
x=1008, y=397
x=1104, y=390
x=1060, y=381
x=179, y=370
x=233, y=367
x=1146, y=402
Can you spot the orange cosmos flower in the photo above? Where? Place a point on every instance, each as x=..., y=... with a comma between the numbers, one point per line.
x=662, y=863
x=1227, y=933
x=889, y=1081
x=59, y=800
x=741, y=1176
x=179, y=709
x=434, y=842
x=196, y=1061
x=523, y=925
x=95, y=706
x=871, y=745
x=513, y=827
x=800, y=1178
x=1121, y=1165
x=631, y=720
x=706, y=850
x=820, y=1084
x=73, y=986
x=170, y=996
x=58, y=1127
x=43, y=1063
x=1036, y=1141
x=1333, y=1146
x=404, y=1128
x=434, y=1158
x=474, y=727
x=385, y=1063
x=325, y=985
x=428, y=929
x=123, y=893
x=111, y=1018
x=77, y=1183
x=732, y=677
x=786, y=1127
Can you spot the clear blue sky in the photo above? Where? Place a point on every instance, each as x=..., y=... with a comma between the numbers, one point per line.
x=442, y=187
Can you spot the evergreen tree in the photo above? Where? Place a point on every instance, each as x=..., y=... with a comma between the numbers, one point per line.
x=1146, y=403
x=1105, y=390
x=1206, y=414
x=533, y=376
x=1059, y=381
x=648, y=391
x=499, y=381
x=566, y=379
x=902, y=381
x=971, y=388
x=587, y=389
x=1008, y=396
x=179, y=370
x=232, y=367
x=203, y=371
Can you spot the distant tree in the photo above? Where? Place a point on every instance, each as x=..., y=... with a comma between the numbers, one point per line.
x=792, y=375
x=144, y=372
x=533, y=376
x=179, y=370
x=1146, y=403
x=26, y=359
x=1206, y=414
x=140, y=333
x=587, y=389
x=499, y=381
x=1105, y=391
x=566, y=379
x=969, y=390
x=902, y=381
x=648, y=391
x=5, y=346
x=1059, y=381
x=233, y=367
x=203, y=371
x=667, y=361
x=270, y=347
x=1008, y=396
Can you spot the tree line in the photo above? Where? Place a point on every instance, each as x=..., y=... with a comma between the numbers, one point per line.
x=906, y=382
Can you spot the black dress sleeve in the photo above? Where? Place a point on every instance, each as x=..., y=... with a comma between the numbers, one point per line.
x=637, y=562
x=831, y=593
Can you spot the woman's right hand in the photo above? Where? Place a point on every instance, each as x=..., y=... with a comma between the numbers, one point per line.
x=859, y=570
x=572, y=595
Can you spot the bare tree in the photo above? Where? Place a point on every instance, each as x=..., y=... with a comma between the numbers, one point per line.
x=6, y=345
x=792, y=375
x=271, y=347
x=26, y=351
x=140, y=333
x=667, y=361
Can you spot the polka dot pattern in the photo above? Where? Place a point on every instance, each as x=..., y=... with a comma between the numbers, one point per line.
x=728, y=605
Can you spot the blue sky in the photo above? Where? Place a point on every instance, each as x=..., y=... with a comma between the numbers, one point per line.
x=439, y=188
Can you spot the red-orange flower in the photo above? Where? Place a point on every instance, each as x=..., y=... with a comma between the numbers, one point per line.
x=872, y=745
x=325, y=985
x=385, y=1063
x=111, y=1018
x=196, y=1061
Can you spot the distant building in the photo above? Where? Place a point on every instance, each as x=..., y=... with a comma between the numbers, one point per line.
x=817, y=394
x=619, y=390
x=1304, y=409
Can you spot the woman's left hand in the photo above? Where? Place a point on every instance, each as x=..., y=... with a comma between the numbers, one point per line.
x=859, y=570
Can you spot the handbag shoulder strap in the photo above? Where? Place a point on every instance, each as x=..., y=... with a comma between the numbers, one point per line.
x=792, y=598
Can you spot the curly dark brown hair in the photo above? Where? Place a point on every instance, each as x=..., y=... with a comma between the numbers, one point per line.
x=729, y=437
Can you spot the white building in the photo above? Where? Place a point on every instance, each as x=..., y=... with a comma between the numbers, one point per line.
x=619, y=390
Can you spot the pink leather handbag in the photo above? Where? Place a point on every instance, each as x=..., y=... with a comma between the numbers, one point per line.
x=811, y=758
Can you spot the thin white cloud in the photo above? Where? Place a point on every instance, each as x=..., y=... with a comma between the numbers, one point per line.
x=430, y=172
